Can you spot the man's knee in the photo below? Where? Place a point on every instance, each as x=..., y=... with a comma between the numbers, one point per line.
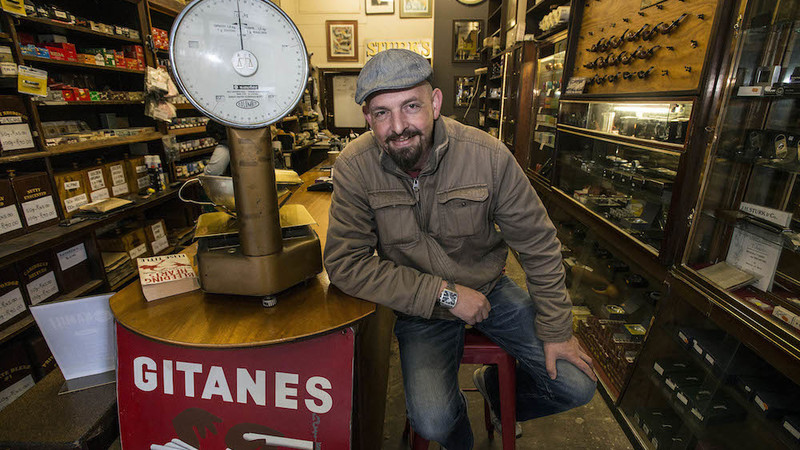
x=579, y=387
x=432, y=423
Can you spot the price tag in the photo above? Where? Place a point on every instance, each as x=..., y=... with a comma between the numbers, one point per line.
x=697, y=348
x=73, y=203
x=710, y=359
x=96, y=180
x=138, y=251
x=42, y=288
x=32, y=81
x=15, y=137
x=658, y=368
x=158, y=231
x=791, y=429
x=117, y=175
x=141, y=169
x=683, y=398
x=119, y=190
x=72, y=185
x=9, y=219
x=670, y=384
x=143, y=182
x=102, y=194
x=11, y=304
x=14, y=7
x=39, y=210
x=160, y=244
x=71, y=256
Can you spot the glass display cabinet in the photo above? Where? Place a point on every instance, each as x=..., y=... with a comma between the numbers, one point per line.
x=620, y=160
x=745, y=239
x=547, y=92
x=613, y=300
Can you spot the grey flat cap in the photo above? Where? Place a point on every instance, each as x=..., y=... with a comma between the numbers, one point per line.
x=395, y=68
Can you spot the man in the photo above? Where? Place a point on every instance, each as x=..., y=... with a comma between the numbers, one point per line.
x=426, y=192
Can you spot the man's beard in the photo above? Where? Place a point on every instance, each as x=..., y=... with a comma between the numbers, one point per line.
x=408, y=156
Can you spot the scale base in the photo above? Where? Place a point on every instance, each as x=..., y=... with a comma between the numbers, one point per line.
x=228, y=271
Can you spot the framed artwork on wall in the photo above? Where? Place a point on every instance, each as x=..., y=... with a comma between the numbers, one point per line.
x=467, y=38
x=415, y=8
x=465, y=87
x=342, y=40
x=379, y=6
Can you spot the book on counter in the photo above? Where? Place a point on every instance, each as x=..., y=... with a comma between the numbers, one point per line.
x=166, y=275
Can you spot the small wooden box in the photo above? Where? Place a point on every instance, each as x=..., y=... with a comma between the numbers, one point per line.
x=10, y=217
x=133, y=242
x=72, y=191
x=35, y=198
x=138, y=178
x=41, y=358
x=156, y=232
x=73, y=268
x=12, y=299
x=118, y=179
x=38, y=276
x=97, y=183
x=15, y=373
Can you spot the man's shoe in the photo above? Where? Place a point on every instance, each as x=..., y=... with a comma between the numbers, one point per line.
x=479, y=378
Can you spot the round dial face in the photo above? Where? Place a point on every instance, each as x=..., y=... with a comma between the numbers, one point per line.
x=241, y=62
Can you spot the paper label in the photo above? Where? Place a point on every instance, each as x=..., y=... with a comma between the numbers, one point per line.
x=138, y=251
x=14, y=391
x=102, y=194
x=119, y=189
x=794, y=432
x=10, y=119
x=670, y=384
x=771, y=215
x=31, y=81
x=761, y=403
x=15, y=137
x=160, y=244
x=96, y=180
x=117, y=175
x=11, y=304
x=658, y=368
x=9, y=219
x=646, y=429
x=683, y=337
x=158, y=230
x=754, y=255
x=710, y=359
x=8, y=69
x=72, y=256
x=42, y=288
x=39, y=210
x=73, y=203
x=14, y=7
x=683, y=398
x=143, y=182
x=697, y=348
x=72, y=185
x=697, y=414
x=141, y=169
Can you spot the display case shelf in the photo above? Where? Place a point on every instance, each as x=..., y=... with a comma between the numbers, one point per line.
x=185, y=131
x=197, y=152
x=89, y=103
x=55, y=25
x=63, y=149
x=56, y=62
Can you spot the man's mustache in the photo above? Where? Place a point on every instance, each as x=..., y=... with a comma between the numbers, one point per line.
x=404, y=135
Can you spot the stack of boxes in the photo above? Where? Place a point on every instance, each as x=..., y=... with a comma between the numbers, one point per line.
x=160, y=38
x=56, y=46
x=58, y=14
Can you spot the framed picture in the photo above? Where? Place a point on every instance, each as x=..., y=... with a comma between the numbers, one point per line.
x=342, y=40
x=465, y=88
x=415, y=8
x=467, y=38
x=379, y=6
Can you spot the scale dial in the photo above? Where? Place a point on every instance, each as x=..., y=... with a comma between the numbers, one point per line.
x=241, y=62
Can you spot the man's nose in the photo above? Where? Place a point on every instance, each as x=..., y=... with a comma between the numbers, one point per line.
x=398, y=123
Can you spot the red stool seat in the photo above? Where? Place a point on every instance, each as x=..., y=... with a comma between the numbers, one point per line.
x=478, y=349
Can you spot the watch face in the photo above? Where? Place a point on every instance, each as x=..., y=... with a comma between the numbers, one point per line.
x=448, y=298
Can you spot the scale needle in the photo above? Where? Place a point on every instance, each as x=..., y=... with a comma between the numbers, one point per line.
x=239, y=15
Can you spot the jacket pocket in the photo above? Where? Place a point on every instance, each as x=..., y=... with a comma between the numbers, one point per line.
x=394, y=215
x=463, y=210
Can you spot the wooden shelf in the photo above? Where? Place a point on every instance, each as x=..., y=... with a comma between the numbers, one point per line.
x=168, y=7
x=62, y=149
x=198, y=152
x=183, y=106
x=553, y=32
x=22, y=157
x=57, y=62
x=124, y=281
x=69, y=27
x=5, y=37
x=545, y=6
x=90, y=103
x=89, y=286
x=185, y=131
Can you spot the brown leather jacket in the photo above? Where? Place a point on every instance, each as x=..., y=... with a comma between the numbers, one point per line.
x=441, y=226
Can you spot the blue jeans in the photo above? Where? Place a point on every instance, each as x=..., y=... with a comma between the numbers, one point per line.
x=430, y=354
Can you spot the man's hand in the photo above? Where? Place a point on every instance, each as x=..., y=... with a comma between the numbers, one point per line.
x=569, y=351
x=472, y=306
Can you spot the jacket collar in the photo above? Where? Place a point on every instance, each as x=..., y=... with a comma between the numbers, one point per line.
x=441, y=142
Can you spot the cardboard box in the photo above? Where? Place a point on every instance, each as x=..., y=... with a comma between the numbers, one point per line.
x=118, y=180
x=66, y=50
x=138, y=178
x=87, y=59
x=97, y=184
x=38, y=276
x=72, y=265
x=15, y=373
x=10, y=216
x=52, y=38
x=12, y=297
x=119, y=59
x=34, y=195
x=72, y=191
x=41, y=358
x=133, y=242
x=156, y=232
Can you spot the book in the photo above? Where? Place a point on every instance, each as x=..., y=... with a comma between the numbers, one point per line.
x=166, y=275
x=727, y=276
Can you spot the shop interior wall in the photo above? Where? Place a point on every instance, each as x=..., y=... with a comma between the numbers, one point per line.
x=444, y=69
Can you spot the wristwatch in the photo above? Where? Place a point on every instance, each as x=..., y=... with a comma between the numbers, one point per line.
x=449, y=297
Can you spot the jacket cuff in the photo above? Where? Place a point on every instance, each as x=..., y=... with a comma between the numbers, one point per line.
x=549, y=333
x=426, y=295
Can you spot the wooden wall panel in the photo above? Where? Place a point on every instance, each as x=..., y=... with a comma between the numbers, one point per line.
x=678, y=55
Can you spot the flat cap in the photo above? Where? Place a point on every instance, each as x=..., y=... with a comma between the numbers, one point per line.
x=395, y=68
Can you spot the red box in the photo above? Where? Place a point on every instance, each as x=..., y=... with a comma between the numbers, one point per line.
x=26, y=38
x=131, y=63
x=133, y=51
x=68, y=50
x=82, y=95
x=56, y=53
x=119, y=58
x=68, y=95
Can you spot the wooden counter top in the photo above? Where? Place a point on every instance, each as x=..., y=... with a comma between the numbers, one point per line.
x=210, y=320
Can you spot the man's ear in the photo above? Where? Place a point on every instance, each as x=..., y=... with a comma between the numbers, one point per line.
x=437, y=103
x=367, y=116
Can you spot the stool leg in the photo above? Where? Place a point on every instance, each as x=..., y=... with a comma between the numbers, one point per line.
x=508, y=401
x=487, y=419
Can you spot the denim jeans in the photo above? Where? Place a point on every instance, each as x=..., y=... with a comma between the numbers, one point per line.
x=430, y=355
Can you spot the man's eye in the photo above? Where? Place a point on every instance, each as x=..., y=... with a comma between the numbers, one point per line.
x=379, y=113
x=413, y=106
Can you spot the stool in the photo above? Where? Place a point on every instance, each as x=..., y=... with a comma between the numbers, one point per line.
x=478, y=349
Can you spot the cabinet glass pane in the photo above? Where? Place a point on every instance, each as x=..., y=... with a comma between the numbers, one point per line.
x=547, y=92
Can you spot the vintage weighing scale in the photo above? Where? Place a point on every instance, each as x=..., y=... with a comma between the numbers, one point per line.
x=244, y=64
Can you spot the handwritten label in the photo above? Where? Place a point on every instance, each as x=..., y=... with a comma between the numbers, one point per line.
x=96, y=180
x=141, y=169
x=42, y=288
x=102, y=194
x=697, y=348
x=72, y=185
x=771, y=215
x=72, y=256
x=658, y=368
x=117, y=175
x=14, y=391
x=791, y=429
x=160, y=244
x=9, y=219
x=119, y=189
x=710, y=359
x=138, y=251
x=158, y=230
x=11, y=304
x=143, y=182
x=39, y=210
x=73, y=203
x=15, y=137
x=10, y=119
x=683, y=398
x=576, y=85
